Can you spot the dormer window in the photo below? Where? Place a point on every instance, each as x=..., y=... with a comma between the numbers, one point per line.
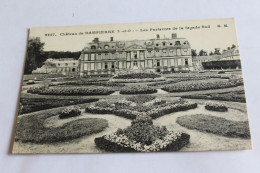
x=106, y=47
x=177, y=43
x=93, y=47
x=186, y=43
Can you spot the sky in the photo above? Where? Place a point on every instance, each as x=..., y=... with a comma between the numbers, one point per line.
x=201, y=34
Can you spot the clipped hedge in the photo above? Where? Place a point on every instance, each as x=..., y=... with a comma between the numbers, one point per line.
x=216, y=107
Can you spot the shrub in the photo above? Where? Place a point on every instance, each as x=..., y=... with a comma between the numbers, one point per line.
x=30, y=128
x=138, y=89
x=216, y=107
x=70, y=111
x=216, y=125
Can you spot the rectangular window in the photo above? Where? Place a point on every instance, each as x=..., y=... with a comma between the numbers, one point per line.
x=186, y=62
x=150, y=63
x=172, y=62
x=99, y=56
x=113, y=65
x=178, y=51
x=157, y=53
x=99, y=66
x=85, y=66
x=92, y=66
x=179, y=61
x=164, y=52
x=165, y=62
x=171, y=52
x=149, y=53
x=120, y=64
x=128, y=65
x=92, y=57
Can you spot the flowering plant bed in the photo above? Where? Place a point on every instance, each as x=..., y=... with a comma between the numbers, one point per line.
x=137, y=76
x=71, y=90
x=216, y=107
x=137, y=80
x=132, y=107
x=70, y=111
x=138, y=89
x=143, y=136
x=201, y=85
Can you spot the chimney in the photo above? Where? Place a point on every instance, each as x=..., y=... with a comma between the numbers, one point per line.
x=111, y=39
x=158, y=36
x=96, y=40
x=174, y=35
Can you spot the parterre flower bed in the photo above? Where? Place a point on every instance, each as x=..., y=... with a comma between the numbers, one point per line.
x=130, y=109
x=179, y=79
x=216, y=107
x=202, y=85
x=137, y=80
x=143, y=136
x=70, y=90
x=96, y=83
x=137, y=76
x=138, y=89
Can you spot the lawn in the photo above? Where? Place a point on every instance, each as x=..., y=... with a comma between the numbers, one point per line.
x=32, y=104
x=215, y=125
x=30, y=128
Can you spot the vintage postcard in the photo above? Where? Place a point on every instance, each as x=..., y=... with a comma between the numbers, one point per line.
x=135, y=87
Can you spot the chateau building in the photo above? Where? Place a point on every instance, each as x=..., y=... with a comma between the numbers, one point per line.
x=154, y=55
x=65, y=65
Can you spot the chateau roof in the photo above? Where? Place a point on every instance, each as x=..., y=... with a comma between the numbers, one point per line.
x=159, y=43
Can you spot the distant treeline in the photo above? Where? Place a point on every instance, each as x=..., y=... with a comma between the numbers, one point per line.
x=225, y=64
x=58, y=55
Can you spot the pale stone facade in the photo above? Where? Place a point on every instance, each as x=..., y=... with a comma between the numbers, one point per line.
x=65, y=65
x=155, y=55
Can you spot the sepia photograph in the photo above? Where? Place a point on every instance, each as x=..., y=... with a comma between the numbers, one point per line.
x=136, y=87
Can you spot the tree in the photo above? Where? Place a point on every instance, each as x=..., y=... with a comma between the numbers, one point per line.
x=211, y=53
x=217, y=51
x=233, y=46
x=193, y=52
x=202, y=53
x=34, y=56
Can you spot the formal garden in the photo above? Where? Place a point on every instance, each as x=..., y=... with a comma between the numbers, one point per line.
x=136, y=112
